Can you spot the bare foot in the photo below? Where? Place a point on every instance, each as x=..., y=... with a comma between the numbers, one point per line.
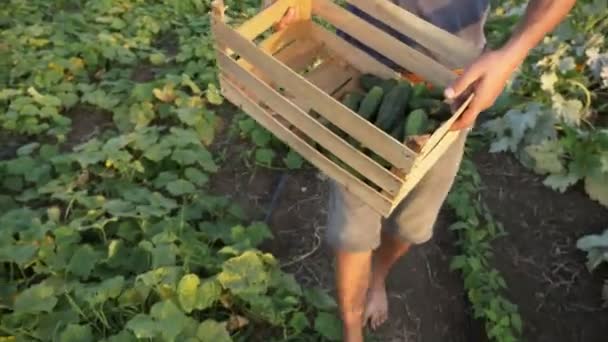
x=376, y=308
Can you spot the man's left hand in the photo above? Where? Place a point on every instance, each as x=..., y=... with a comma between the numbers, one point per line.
x=486, y=78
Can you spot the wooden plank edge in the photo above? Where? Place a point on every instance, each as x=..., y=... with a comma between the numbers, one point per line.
x=375, y=200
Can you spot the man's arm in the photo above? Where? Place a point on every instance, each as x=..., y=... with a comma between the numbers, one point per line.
x=487, y=76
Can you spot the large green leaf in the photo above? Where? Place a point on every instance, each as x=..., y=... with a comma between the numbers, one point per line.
x=169, y=318
x=76, y=333
x=213, y=331
x=83, y=261
x=143, y=326
x=208, y=293
x=329, y=326
x=187, y=291
x=597, y=188
x=244, y=274
x=38, y=298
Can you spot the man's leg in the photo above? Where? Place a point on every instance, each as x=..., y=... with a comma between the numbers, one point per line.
x=411, y=223
x=353, y=230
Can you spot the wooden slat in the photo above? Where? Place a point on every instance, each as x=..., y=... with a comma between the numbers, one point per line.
x=334, y=111
x=445, y=45
x=422, y=166
x=385, y=44
x=300, y=54
x=355, y=57
x=264, y=20
x=443, y=129
x=309, y=126
x=279, y=39
x=330, y=75
x=374, y=199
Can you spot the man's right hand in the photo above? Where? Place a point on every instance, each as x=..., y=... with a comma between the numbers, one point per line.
x=288, y=18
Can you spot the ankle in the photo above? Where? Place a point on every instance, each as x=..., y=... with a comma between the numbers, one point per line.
x=353, y=331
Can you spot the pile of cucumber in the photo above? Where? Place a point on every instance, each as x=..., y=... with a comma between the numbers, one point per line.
x=398, y=107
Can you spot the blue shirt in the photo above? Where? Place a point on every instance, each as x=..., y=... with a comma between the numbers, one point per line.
x=464, y=18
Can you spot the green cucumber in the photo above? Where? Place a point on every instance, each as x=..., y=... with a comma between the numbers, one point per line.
x=416, y=123
x=352, y=100
x=398, y=131
x=371, y=102
x=393, y=106
x=420, y=90
x=388, y=84
x=368, y=81
x=433, y=107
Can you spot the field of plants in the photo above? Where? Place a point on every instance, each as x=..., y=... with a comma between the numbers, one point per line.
x=138, y=204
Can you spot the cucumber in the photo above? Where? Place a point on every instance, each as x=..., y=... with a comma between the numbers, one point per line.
x=436, y=92
x=388, y=84
x=416, y=123
x=420, y=90
x=371, y=102
x=368, y=81
x=352, y=100
x=398, y=131
x=393, y=106
x=433, y=107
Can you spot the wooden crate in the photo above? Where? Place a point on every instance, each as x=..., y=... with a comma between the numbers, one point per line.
x=291, y=81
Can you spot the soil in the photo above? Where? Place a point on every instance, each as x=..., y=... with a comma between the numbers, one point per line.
x=559, y=300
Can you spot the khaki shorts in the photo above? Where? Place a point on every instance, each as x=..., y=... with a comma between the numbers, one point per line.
x=355, y=227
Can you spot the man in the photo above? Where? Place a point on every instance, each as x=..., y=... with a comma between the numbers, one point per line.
x=366, y=245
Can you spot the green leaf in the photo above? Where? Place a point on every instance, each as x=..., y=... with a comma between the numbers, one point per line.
x=187, y=291
x=196, y=176
x=319, y=299
x=517, y=323
x=329, y=326
x=76, y=333
x=570, y=111
x=143, y=326
x=38, y=298
x=264, y=156
x=293, y=160
x=27, y=149
x=45, y=100
x=185, y=156
x=213, y=95
x=299, y=322
x=261, y=137
x=180, y=187
x=189, y=116
x=244, y=274
x=597, y=188
x=123, y=336
x=547, y=156
x=560, y=182
x=83, y=261
x=170, y=319
x=213, y=331
x=547, y=82
x=19, y=254
x=208, y=293
x=118, y=207
x=157, y=58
